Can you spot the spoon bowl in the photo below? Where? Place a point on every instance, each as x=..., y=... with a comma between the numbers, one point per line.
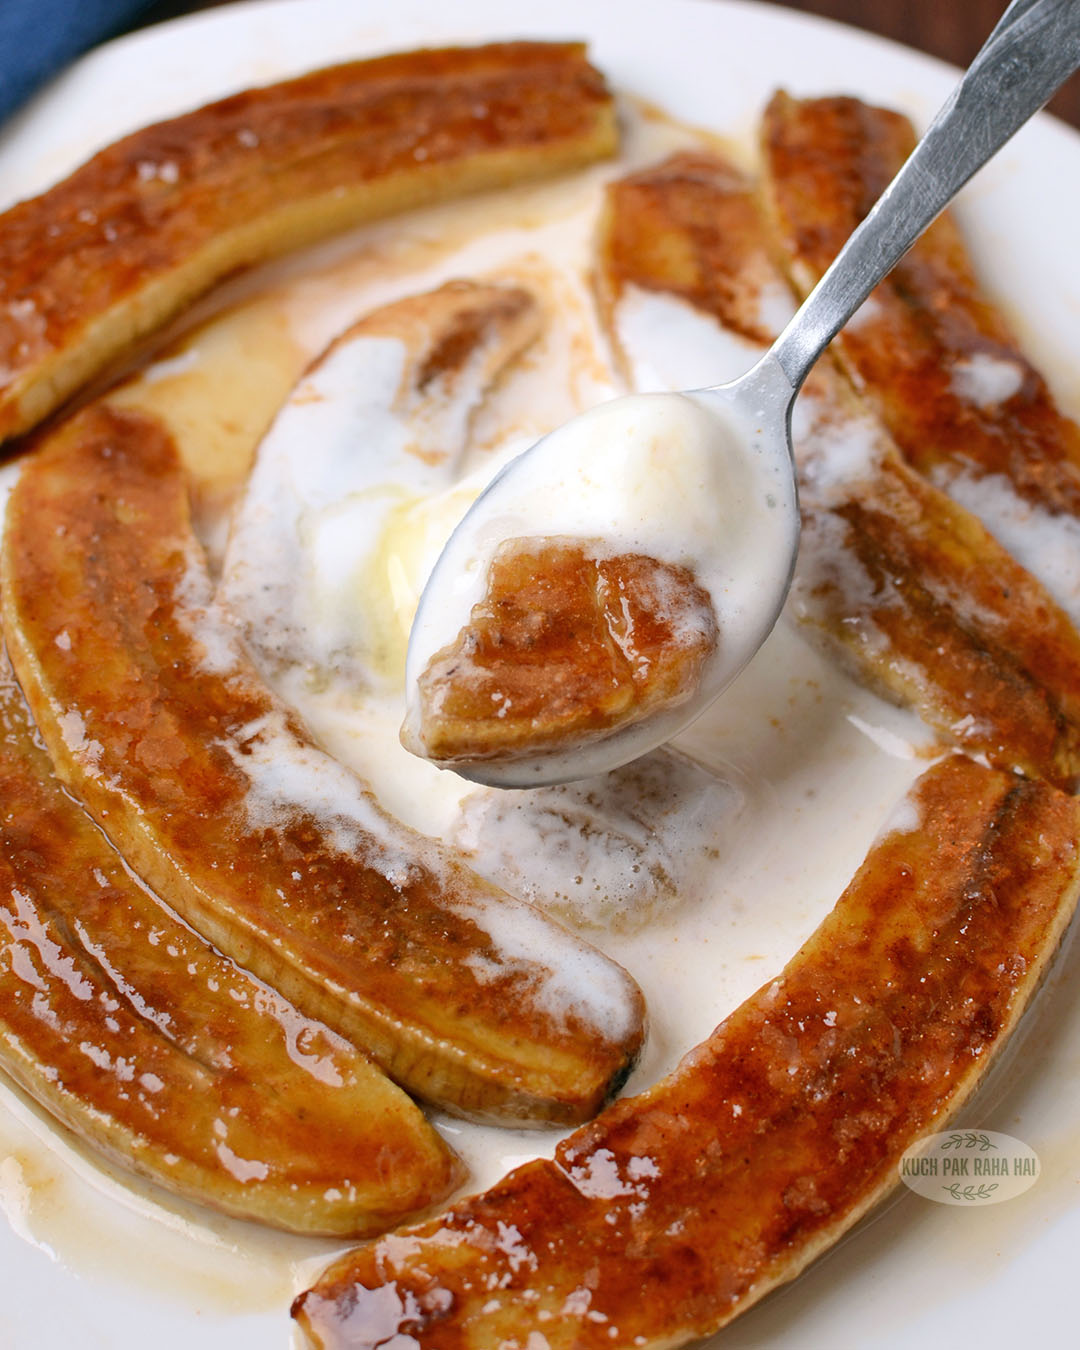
x=701, y=478
x=707, y=477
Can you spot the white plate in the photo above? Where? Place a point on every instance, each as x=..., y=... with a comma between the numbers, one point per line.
x=88, y=1263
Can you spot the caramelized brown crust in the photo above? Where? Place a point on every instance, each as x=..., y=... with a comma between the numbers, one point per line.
x=924, y=602
x=227, y=1095
x=566, y=646
x=828, y=160
x=675, y=1210
x=276, y=854
x=149, y=223
x=955, y=628
x=688, y=227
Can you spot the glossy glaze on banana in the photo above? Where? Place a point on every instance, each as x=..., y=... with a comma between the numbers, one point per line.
x=214, y=793
x=465, y=995
x=930, y=350
x=565, y=647
x=100, y=260
x=675, y=1210
x=161, y=1053
x=924, y=603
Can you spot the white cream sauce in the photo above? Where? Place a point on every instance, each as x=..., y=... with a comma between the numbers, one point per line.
x=742, y=838
x=610, y=854
x=672, y=476
x=1047, y=544
x=986, y=380
x=701, y=868
x=341, y=461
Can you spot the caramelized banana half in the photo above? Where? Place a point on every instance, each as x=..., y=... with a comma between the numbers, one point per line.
x=929, y=350
x=568, y=644
x=676, y=1210
x=920, y=598
x=390, y=400
x=97, y=262
x=162, y=1054
x=214, y=793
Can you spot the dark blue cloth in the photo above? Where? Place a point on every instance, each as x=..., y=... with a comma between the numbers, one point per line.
x=39, y=37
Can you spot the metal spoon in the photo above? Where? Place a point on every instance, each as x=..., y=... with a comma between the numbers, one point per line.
x=1031, y=52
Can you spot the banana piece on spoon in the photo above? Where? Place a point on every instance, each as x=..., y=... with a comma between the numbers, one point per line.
x=570, y=641
x=208, y=785
x=905, y=583
x=162, y=1054
x=93, y=265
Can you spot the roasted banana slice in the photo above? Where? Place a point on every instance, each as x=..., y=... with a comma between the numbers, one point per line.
x=570, y=642
x=375, y=424
x=103, y=258
x=922, y=600
x=676, y=1210
x=283, y=859
x=928, y=348
x=159, y=1052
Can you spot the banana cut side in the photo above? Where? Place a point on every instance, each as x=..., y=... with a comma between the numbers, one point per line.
x=390, y=400
x=215, y=794
x=228, y=1095
x=929, y=349
x=677, y=1209
x=917, y=596
x=108, y=255
x=564, y=647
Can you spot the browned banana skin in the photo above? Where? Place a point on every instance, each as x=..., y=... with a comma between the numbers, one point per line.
x=827, y=161
x=385, y=936
x=923, y=601
x=676, y=1210
x=162, y=1054
x=139, y=231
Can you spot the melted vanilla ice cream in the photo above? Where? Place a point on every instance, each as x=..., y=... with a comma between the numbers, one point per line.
x=700, y=868
x=675, y=477
x=703, y=866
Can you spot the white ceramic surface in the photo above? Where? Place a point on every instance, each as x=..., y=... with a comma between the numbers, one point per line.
x=87, y=1262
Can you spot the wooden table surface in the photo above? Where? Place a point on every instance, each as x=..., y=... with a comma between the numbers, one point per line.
x=951, y=29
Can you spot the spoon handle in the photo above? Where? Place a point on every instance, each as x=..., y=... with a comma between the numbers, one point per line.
x=1029, y=55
